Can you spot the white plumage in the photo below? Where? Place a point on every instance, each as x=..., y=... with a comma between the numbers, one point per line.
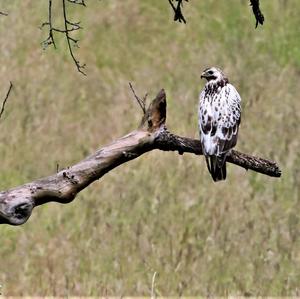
x=219, y=119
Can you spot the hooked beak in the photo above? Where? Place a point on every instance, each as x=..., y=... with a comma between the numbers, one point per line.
x=203, y=75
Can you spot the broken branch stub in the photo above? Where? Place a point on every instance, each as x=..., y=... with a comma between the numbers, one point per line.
x=155, y=116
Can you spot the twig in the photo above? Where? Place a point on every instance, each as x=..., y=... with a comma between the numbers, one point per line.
x=68, y=28
x=50, y=39
x=257, y=12
x=141, y=102
x=3, y=13
x=178, y=15
x=75, y=26
x=79, y=2
x=5, y=99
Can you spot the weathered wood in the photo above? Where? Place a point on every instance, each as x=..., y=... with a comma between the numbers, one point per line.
x=170, y=142
x=17, y=204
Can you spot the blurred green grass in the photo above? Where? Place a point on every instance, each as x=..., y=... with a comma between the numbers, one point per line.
x=160, y=213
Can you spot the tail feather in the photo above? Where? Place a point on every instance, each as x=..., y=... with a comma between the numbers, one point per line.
x=217, y=167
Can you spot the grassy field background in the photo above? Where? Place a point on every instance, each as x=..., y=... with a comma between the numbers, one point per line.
x=162, y=212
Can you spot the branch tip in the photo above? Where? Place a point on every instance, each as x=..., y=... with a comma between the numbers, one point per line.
x=141, y=102
x=5, y=99
x=257, y=12
x=68, y=28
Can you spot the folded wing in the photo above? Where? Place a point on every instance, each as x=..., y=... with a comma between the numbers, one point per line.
x=219, y=119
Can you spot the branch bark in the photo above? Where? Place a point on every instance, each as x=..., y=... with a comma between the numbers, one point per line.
x=17, y=204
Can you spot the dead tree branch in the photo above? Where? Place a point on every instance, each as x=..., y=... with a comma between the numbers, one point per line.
x=3, y=13
x=178, y=14
x=69, y=27
x=5, y=99
x=72, y=26
x=50, y=39
x=17, y=204
x=257, y=12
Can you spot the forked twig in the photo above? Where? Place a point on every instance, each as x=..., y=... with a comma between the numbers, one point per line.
x=74, y=26
x=68, y=28
x=141, y=102
x=50, y=39
x=178, y=15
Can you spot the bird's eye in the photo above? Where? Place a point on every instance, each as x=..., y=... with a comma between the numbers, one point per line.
x=210, y=72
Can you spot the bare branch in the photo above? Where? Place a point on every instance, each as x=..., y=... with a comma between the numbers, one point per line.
x=178, y=15
x=170, y=142
x=5, y=99
x=50, y=39
x=17, y=204
x=3, y=13
x=68, y=28
x=76, y=26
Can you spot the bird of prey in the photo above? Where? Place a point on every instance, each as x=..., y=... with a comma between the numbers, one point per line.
x=219, y=118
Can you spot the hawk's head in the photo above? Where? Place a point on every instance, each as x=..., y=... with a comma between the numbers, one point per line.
x=214, y=76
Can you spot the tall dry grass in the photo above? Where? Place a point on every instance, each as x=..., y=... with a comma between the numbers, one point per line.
x=160, y=213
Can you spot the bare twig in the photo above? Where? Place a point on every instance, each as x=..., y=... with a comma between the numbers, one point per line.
x=68, y=28
x=178, y=15
x=141, y=102
x=17, y=204
x=50, y=39
x=3, y=13
x=5, y=99
x=74, y=26
x=79, y=2
x=257, y=12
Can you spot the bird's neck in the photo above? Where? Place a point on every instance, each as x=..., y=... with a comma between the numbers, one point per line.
x=216, y=84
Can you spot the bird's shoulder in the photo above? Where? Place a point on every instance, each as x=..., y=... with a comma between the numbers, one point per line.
x=232, y=93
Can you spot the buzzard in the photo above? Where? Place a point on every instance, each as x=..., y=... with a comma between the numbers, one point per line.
x=219, y=118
